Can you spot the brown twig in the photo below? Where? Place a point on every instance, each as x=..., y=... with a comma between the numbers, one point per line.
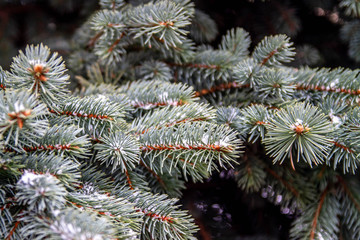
x=317, y=213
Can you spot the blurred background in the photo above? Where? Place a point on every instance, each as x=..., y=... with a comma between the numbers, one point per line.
x=220, y=208
x=314, y=25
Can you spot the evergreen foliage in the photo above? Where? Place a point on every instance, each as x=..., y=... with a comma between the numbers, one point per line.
x=158, y=108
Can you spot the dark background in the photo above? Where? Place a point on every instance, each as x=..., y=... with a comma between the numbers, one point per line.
x=54, y=22
x=221, y=210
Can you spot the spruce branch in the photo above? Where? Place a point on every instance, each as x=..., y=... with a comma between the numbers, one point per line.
x=167, y=182
x=93, y=115
x=236, y=41
x=345, y=151
x=97, y=75
x=40, y=192
x=133, y=179
x=299, y=130
x=214, y=64
x=22, y=119
x=111, y=52
x=229, y=116
x=70, y=223
x=6, y=217
x=255, y=119
x=164, y=20
x=275, y=86
x=221, y=87
x=151, y=94
x=319, y=219
x=112, y=4
x=41, y=73
x=109, y=22
x=274, y=50
x=119, y=211
x=64, y=169
x=202, y=28
x=61, y=140
x=250, y=175
x=172, y=116
x=350, y=205
x=194, y=142
x=345, y=148
x=2, y=78
x=93, y=178
x=98, y=89
x=180, y=54
x=196, y=171
x=151, y=136
x=155, y=70
x=162, y=218
x=352, y=7
x=118, y=150
x=337, y=82
x=292, y=190
x=246, y=72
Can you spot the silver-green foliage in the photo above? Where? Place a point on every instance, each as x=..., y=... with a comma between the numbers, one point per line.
x=91, y=164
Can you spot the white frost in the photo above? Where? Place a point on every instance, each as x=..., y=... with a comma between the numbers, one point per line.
x=28, y=178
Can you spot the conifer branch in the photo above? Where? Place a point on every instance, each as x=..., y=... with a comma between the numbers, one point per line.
x=283, y=182
x=317, y=213
x=42, y=74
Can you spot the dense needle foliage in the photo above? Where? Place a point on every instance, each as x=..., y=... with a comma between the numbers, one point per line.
x=156, y=107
